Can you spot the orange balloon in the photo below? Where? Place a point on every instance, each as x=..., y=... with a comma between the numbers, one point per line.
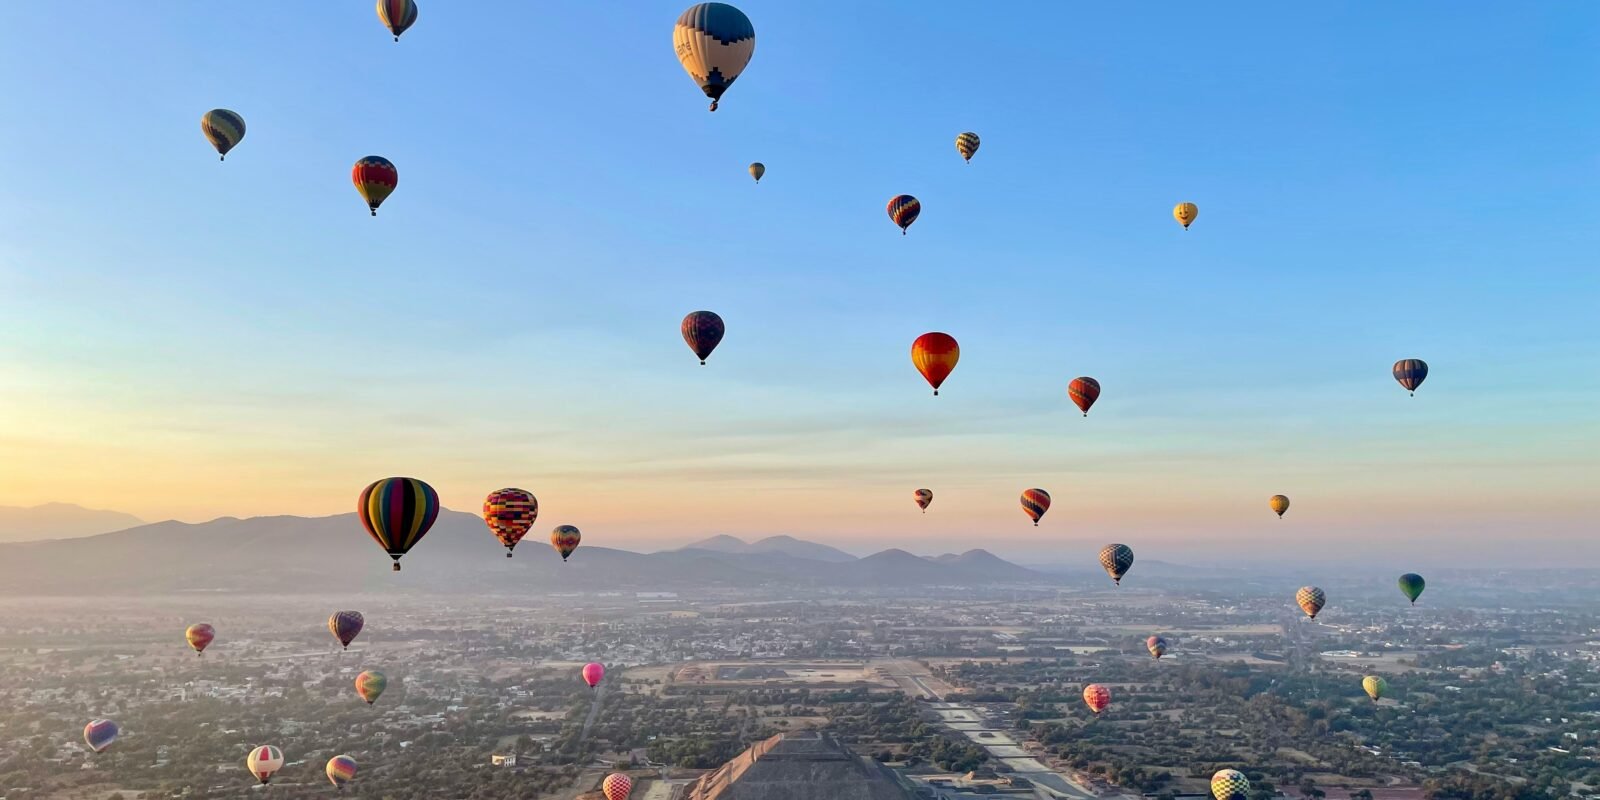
x=1097, y=696
x=935, y=355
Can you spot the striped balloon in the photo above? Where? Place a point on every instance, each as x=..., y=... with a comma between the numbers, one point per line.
x=397, y=513
x=509, y=513
x=1185, y=214
x=263, y=761
x=757, y=169
x=375, y=178
x=1117, y=559
x=702, y=331
x=1410, y=372
x=565, y=539
x=345, y=626
x=341, y=770
x=199, y=635
x=617, y=786
x=924, y=499
x=1229, y=784
x=967, y=145
x=223, y=128
x=1084, y=391
x=903, y=209
x=397, y=15
x=1097, y=697
x=1311, y=600
x=370, y=685
x=935, y=355
x=714, y=42
x=1034, y=503
x=99, y=734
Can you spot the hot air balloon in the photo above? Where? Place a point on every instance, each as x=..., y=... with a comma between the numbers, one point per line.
x=223, y=128
x=1411, y=372
x=1278, y=503
x=1375, y=686
x=565, y=539
x=1185, y=213
x=714, y=42
x=702, y=331
x=935, y=355
x=924, y=499
x=1117, y=559
x=1034, y=503
x=1084, y=391
x=100, y=733
x=264, y=761
x=757, y=169
x=903, y=209
x=1230, y=784
x=617, y=786
x=375, y=178
x=397, y=513
x=1157, y=646
x=1097, y=697
x=509, y=513
x=593, y=672
x=1311, y=600
x=397, y=15
x=370, y=685
x=967, y=145
x=199, y=635
x=341, y=770
x=1411, y=585
x=345, y=625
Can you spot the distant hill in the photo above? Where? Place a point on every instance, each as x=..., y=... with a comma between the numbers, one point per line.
x=59, y=521
x=787, y=545
x=297, y=555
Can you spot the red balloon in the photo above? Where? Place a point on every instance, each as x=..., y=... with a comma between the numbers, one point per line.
x=592, y=673
x=1097, y=696
x=1084, y=391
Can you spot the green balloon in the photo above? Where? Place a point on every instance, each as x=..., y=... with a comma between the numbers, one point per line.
x=1411, y=585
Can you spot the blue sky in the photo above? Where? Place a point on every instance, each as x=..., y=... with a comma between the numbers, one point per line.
x=185, y=338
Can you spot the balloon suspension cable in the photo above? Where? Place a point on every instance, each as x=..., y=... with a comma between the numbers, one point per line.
x=702, y=362
x=397, y=37
x=396, y=566
x=508, y=554
x=1036, y=523
x=713, y=105
x=222, y=158
x=935, y=392
x=375, y=213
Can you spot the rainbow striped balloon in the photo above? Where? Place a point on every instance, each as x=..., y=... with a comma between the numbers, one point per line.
x=341, y=770
x=397, y=513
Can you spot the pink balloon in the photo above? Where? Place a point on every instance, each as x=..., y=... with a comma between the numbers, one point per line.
x=592, y=673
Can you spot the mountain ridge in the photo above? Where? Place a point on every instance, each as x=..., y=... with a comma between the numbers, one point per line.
x=51, y=521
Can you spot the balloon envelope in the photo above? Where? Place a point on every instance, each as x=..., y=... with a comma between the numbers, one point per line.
x=1279, y=503
x=617, y=786
x=397, y=15
x=702, y=331
x=1157, y=646
x=967, y=145
x=341, y=770
x=1097, y=697
x=264, y=761
x=714, y=43
x=1411, y=585
x=758, y=169
x=1185, y=214
x=199, y=635
x=1084, y=391
x=397, y=513
x=935, y=355
x=903, y=209
x=370, y=685
x=99, y=734
x=565, y=539
x=1034, y=503
x=1375, y=686
x=1230, y=784
x=1117, y=559
x=924, y=498
x=593, y=672
x=223, y=129
x=375, y=178
x=1410, y=373
x=509, y=513
x=1310, y=599
x=345, y=625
